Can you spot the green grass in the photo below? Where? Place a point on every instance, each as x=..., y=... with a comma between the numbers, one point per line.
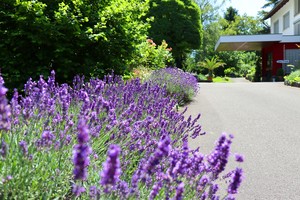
x=219, y=79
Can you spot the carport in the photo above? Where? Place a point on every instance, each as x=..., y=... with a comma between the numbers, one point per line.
x=277, y=50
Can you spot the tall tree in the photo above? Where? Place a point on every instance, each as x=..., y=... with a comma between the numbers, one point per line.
x=178, y=23
x=210, y=10
x=242, y=25
x=210, y=15
x=230, y=14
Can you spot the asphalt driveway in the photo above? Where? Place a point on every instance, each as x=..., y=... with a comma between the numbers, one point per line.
x=265, y=120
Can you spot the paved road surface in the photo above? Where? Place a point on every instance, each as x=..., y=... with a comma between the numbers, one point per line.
x=265, y=120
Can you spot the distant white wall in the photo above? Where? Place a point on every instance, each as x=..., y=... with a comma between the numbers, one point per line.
x=288, y=7
x=296, y=22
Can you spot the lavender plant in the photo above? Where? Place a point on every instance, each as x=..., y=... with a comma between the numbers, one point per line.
x=182, y=85
x=105, y=139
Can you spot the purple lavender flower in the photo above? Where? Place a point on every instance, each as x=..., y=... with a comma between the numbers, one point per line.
x=155, y=190
x=6, y=179
x=77, y=190
x=27, y=105
x=213, y=189
x=46, y=140
x=135, y=179
x=81, y=152
x=24, y=147
x=203, y=181
x=81, y=161
x=178, y=83
x=68, y=139
x=239, y=158
x=83, y=132
x=179, y=191
x=94, y=192
x=3, y=149
x=1, y=80
x=15, y=107
x=219, y=157
x=111, y=168
x=5, y=111
x=51, y=81
x=162, y=150
x=123, y=189
x=236, y=181
x=203, y=196
x=215, y=197
x=230, y=197
x=65, y=99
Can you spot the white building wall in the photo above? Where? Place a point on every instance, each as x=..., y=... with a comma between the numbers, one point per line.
x=288, y=7
x=296, y=19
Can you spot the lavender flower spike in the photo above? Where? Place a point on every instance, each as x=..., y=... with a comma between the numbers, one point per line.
x=111, y=168
x=3, y=148
x=239, y=158
x=81, y=153
x=24, y=147
x=5, y=111
x=179, y=191
x=236, y=181
x=77, y=190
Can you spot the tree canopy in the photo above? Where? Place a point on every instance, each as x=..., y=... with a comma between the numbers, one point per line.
x=177, y=22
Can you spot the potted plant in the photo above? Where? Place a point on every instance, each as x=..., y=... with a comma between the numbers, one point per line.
x=211, y=64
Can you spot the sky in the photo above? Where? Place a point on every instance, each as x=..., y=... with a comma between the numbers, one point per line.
x=250, y=7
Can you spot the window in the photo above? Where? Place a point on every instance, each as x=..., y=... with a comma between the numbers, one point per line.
x=297, y=7
x=276, y=27
x=286, y=20
x=297, y=28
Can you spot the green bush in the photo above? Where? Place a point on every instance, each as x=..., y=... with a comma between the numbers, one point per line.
x=152, y=56
x=251, y=74
x=293, y=78
x=244, y=69
x=201, y=77
x=230, y=72
x=71, y=37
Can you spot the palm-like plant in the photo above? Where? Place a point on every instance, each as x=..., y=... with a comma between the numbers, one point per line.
x=211, y=64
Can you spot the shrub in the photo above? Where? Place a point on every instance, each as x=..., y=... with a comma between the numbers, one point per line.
x=72, y=37
x=152, y=56
x=178, y=83
x=201, y=77
x=231, y=72
x=148, y=57
x=244, y=69
x=141, y=73
x=293, y=78
x=104, y=138
x=251, y=74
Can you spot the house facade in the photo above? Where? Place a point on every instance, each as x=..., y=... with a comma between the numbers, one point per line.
x=285, y=18
x=280, y=48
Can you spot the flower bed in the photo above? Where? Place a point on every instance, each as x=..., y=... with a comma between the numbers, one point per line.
x=182, y=85
x=105, y=139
